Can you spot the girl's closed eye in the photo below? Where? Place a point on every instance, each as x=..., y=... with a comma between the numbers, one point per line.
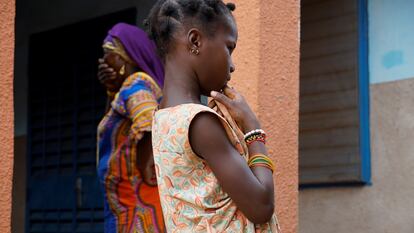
x=230, y=48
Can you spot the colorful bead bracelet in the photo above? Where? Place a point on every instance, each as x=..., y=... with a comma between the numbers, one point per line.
x=255, y=135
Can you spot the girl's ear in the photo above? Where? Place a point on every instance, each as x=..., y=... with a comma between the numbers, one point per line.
x=194, y=39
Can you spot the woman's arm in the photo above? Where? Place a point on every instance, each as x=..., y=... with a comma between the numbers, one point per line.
x=140, y=105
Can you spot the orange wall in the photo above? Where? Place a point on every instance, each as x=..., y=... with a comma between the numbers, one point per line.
x=267, y=73
x=7, y=13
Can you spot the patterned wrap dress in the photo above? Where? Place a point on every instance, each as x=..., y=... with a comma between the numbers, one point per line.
x=130, y=204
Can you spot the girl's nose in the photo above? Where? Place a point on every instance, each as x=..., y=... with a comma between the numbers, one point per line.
x=232, y=68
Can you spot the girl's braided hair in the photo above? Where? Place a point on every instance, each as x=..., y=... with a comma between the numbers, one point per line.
x=169, y=15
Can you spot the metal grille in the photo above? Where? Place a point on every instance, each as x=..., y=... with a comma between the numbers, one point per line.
x=66, y=103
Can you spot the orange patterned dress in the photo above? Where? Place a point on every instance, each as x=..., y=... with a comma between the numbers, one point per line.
x=191, y=196
x=131, y=206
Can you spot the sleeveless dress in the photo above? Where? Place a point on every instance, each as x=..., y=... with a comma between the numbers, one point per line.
x=192, y=199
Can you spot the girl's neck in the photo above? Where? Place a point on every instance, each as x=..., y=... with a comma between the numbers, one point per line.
x=180, y=85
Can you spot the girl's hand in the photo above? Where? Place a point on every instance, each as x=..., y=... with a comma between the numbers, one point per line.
x=238, y=108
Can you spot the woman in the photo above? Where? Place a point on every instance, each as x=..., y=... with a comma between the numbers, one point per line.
x=212, y=167
x=133, y=76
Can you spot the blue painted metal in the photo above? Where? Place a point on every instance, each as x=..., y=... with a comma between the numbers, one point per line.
x=364, y=109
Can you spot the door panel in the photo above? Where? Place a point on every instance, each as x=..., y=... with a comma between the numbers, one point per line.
x=66, y=103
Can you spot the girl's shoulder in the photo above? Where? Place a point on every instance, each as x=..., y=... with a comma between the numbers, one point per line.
x=185, y=111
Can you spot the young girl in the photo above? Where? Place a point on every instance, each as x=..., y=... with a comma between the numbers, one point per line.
x=212, y=167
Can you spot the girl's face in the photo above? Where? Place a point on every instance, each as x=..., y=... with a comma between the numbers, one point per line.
x=216, y=64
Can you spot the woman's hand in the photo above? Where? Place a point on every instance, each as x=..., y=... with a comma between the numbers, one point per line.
x=108, y=77
x=145, y=160
x=148, y=172
x=238, y=108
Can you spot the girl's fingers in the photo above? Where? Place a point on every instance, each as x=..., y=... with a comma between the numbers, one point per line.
x=221, y=98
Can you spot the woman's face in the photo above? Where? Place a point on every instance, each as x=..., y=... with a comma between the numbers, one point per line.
x=115, y=62
x=216, y=64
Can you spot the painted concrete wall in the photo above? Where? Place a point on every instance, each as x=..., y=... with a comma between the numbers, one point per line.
x=7, y=13
x=391, y=37
x=387, y=205
x=267, y=73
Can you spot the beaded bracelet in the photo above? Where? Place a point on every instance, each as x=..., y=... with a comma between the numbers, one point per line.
x=261, y=160
x=256, y=138
x=255, y=135
x=255, y=131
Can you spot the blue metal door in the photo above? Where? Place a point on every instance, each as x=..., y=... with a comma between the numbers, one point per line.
x=66, y=103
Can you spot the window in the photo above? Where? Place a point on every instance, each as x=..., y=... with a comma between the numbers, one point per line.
x=334, y=105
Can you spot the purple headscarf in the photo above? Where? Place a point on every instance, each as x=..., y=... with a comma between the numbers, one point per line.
x=140, y=49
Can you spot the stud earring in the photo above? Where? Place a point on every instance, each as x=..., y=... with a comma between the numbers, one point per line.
x=195, y=51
